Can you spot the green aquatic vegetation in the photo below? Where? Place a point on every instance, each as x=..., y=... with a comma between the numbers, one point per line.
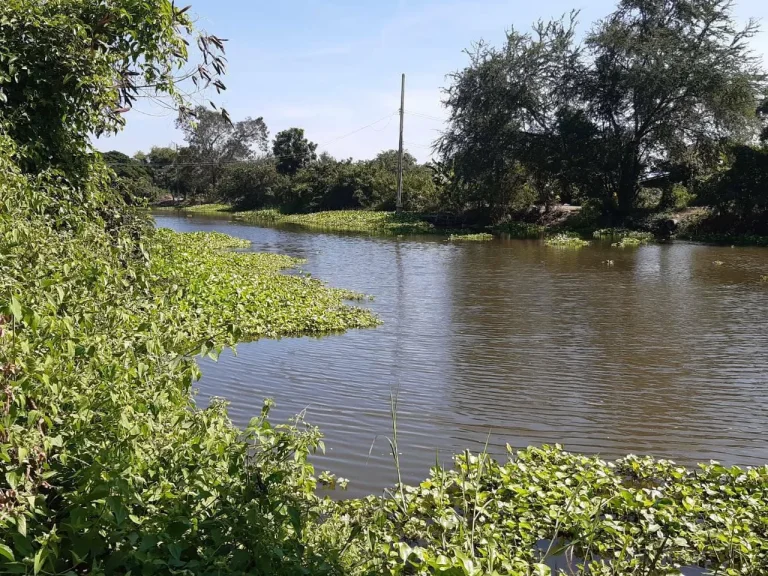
x=354, y=221
x=634, y=237
x=209, y=208
x=764, y=278
x=106, y=464
x=631, y=516
x=359, y=221
x=480, y=237
x=197, y=208
x=270, y=215
x=566, y=241
x=629, y=242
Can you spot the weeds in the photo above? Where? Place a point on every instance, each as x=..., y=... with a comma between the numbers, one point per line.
x=566, y=241
x=359, y=221
x=481, y=237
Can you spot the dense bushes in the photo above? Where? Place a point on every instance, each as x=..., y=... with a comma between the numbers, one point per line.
x=327, y=184
x=742, y=190
x=106, y=464
x=108, y=467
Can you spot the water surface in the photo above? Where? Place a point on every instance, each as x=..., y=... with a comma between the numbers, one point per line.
x=513, y=342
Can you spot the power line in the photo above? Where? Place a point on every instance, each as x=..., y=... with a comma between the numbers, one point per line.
x=285, y=157
x=427, y=116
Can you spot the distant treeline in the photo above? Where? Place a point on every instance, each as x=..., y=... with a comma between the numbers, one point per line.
x=236, y=163
x=660, y=107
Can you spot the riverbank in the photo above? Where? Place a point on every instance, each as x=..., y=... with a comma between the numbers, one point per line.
x=123, y=452
x=698, y=225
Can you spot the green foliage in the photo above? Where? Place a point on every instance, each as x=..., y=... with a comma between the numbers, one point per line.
x=480, y=237
x=293, y=151
x=633, y=516
x=624, y=237
x=105, y=461
x=132, y=179
x=681, y=197
x=564, y=240
x=108, y=467
x=251, y=185
x=655, y=83
x=363, y=221
x=72, y=68
x=329, y=184
x=630, y=242
x=214, y=142
x=742, y=190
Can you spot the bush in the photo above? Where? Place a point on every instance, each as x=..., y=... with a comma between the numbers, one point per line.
x=742, y=190
x=251, y=185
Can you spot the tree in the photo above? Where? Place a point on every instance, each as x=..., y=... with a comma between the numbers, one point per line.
x=70, y=69
x=251, y=185
x=162, y=163
x=654, y=80
x=132, y=178
x=293, y=151
x=667, y=75
x=504, y=115
x=381, y=194
x=214, y=142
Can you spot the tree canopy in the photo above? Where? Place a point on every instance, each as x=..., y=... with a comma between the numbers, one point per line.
x=213, y=141
x=657, y=81
x=72, y=68
x=293, y=151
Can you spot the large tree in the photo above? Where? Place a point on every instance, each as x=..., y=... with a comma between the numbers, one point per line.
x=214, y=142
x=654, y=81
x=293, y=151
x=70, y=69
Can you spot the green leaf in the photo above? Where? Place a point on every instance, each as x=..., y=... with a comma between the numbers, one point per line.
x=16, y=309
x=39, y=559
x=13, y=478
x=6, y=552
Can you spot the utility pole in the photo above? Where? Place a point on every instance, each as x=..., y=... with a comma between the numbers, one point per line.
x=399, y=205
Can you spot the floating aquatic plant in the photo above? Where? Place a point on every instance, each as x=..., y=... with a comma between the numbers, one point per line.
x=481, y=237
x=566, y=240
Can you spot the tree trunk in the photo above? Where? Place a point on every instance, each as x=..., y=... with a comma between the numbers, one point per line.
x=628, y=182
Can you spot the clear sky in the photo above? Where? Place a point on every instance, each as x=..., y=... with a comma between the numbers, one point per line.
x=333, y=67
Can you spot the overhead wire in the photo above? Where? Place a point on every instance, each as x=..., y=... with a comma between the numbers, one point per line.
x=427, y=116
x=283, y=157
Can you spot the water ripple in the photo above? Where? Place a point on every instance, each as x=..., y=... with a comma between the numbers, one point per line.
x=662, y=353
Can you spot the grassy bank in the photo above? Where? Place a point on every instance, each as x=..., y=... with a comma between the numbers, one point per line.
x=108, y=467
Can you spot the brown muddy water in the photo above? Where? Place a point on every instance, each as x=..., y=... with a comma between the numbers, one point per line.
x=512, y=342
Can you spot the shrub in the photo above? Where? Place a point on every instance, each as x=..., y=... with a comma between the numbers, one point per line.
x=251, y=185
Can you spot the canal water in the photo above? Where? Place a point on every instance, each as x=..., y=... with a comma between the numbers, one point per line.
x=511, y=342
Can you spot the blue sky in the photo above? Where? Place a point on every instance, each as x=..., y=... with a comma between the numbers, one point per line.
x=333, y=67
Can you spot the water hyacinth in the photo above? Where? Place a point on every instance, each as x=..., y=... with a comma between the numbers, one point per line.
x=566, y=241
x=481, y=237
x=547, y=507
x=358, y=221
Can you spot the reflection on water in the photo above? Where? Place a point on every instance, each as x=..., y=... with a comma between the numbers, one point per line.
x=662, y=353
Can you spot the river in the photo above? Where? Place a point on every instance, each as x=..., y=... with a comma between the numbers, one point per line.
x=665, y=352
